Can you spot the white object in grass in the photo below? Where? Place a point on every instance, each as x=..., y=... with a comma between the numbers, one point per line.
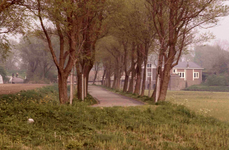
x=30, y=120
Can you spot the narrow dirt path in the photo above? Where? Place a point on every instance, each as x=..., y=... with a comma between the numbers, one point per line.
x=110, y=99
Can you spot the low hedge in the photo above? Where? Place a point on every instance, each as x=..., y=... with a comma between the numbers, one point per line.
x=207, y=88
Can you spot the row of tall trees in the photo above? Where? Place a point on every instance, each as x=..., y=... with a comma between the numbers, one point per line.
x=77, y=25
x=36, y=59
x=125, y=31
x=174, y=22
x=166, y=27
x=127, y=45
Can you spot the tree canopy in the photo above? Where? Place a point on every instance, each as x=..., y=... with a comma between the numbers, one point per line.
x=12, y=21
x=123, y=32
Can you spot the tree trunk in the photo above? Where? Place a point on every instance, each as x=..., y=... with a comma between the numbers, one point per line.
x=131, y=86
x=145, y=64
x=117, y=85
x=164, y=83
x=159, y=81
x=144, y=79
x=108, y=79
x=117, y=77
x=104, y=72
x=138, y=82
x=126, y=83
x=154, y=91
x=149, y=86
x=125, y=66
x=87, y=70
x=139, y=69
x=79, y=86
x=96, y=72
x=133, y=70
x=62, y=85
x=164, y=75
x=114, y=81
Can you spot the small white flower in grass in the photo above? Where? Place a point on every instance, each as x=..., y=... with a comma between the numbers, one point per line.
x=30, y=120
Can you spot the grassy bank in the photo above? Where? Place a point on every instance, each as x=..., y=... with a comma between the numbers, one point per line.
x=165, y=126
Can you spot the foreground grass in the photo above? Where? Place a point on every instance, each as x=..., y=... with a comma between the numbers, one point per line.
x=165, y=126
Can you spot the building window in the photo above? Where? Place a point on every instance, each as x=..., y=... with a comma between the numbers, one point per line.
x=148, y=65
x=149, y=74
x=181, y=74
x=196, y=75
x=174, y=71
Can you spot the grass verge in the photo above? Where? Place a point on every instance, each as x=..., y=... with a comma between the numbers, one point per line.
x=166, y=126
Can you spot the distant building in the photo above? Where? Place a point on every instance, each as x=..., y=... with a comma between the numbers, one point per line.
x=182, y=75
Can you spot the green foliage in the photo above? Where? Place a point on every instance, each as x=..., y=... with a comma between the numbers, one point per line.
x=217, y=80
x=212, y=58
x=4, y=47
x=13, y=20
x=37, y=59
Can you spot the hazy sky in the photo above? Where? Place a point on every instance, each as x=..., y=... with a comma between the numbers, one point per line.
x=220, y=31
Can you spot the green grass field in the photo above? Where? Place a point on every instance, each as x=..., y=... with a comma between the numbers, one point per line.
x=214, y=104
x=165, y=126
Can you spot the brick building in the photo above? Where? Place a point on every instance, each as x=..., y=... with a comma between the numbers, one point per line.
x=183, y=75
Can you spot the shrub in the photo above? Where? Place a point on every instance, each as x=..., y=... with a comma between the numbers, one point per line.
x=207, y=88
x=215, y=80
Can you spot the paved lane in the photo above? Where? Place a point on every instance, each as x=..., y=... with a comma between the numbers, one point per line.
x=110, y=99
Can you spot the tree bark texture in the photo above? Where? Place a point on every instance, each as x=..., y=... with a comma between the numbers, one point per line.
x=133, y=69
x=104, y=73
x=145, y=67
x=62, y=84
x=139, y=68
